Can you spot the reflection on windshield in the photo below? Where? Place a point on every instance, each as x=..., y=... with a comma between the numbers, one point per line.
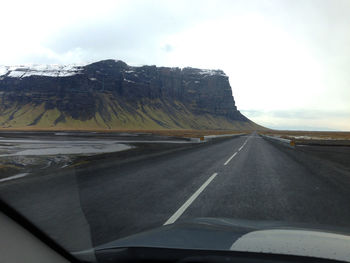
x=169, y=125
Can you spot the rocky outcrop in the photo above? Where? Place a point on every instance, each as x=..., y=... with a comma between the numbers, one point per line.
x=114, y=95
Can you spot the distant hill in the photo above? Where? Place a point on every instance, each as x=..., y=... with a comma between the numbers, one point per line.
x=109, y=94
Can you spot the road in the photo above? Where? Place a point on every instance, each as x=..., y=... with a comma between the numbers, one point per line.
x=245, y=177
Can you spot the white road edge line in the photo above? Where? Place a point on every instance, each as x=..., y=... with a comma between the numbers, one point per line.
x=182, y=209
x=229, y=159
x=14, y=177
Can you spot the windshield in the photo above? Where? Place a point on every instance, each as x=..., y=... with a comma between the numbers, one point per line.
x=119, y=117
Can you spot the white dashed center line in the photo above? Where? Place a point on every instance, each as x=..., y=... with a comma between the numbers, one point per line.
x=182, y=209
x=229, y=159
x=239, y=149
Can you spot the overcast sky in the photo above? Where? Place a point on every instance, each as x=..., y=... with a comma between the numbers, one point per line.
x=288, y=61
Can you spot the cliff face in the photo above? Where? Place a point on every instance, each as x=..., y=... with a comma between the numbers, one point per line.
x=111, y=94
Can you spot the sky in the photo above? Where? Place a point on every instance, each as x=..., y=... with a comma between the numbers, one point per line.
x=288, y=61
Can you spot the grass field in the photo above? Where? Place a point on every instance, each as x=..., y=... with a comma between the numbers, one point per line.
x=194, y=133
x=112, y=115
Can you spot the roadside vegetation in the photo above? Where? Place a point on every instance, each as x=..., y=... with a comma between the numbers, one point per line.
x=330, y=138
x=325, y=135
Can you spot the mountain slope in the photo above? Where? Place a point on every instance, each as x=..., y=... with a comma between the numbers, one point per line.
x=110, y=94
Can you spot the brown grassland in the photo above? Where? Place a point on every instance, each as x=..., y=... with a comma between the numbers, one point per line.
x=326, y=135
x=163, y=132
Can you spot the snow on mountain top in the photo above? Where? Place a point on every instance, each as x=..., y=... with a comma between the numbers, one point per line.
x=54, y=70
x=3, y=70
x=211, y=72
x=206, y=72
x=22, y=71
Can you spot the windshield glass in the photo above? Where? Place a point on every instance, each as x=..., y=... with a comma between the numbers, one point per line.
x=119, y=117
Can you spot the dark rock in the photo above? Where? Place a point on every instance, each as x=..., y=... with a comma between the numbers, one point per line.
x=79, y=95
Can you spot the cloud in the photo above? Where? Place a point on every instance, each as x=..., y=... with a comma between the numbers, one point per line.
x=287, y=60
x=301, y=119
x=167, y=48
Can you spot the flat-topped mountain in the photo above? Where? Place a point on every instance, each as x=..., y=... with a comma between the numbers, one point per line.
x=110, y=94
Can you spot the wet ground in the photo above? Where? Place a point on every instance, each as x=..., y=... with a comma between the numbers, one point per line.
x=25, y=153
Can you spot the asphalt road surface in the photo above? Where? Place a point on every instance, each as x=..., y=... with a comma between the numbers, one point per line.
x=245, y=177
